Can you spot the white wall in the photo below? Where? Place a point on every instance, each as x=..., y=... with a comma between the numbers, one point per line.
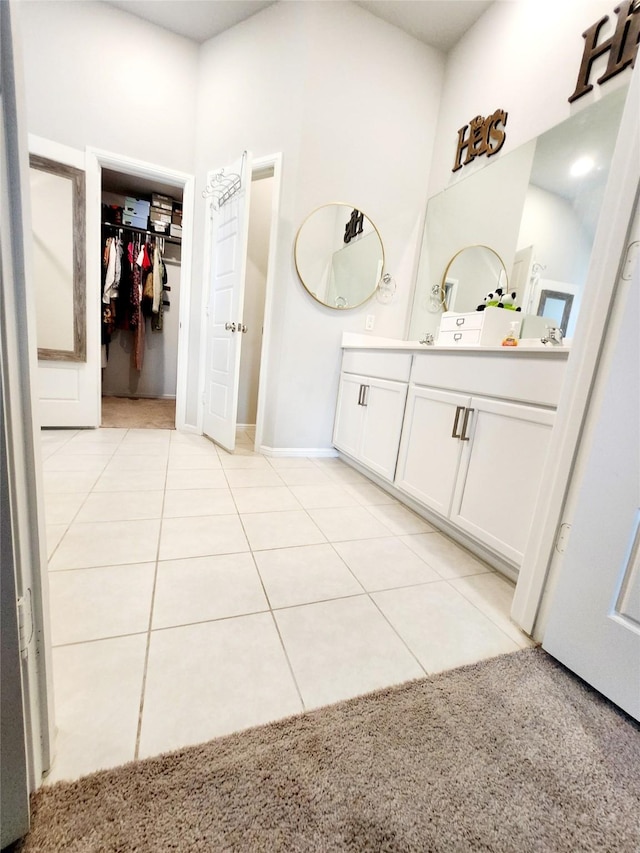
x=351, y=102
x=522, y=57
x=96, y=76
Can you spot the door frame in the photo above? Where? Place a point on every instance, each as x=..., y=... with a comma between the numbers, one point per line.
x=536, y=577
x=259, y=166
x=30, y=673
x=97, y=159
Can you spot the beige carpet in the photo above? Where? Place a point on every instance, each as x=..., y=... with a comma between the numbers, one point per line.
x=513, y=754
x=138, y=413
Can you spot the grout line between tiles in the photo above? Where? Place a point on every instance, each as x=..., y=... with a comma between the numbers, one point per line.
x=484, y=612
x=136, y=751
x=98, y=639
x=280, y=637
x=402, y=640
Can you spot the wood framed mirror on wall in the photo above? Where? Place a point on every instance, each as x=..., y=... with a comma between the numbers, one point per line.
x=58, y=201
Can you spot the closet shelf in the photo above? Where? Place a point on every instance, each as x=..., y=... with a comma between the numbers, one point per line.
x=166, y=237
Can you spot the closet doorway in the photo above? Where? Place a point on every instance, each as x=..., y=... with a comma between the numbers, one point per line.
x=142, y=246
x=141, y=377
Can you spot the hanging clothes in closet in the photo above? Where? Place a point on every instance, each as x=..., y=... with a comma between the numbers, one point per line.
x=134, y=279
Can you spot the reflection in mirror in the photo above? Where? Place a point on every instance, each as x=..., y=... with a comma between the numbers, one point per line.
x=530, y=209
x=481, y=269
x=57, y=218
x=339, y=256
x=561, y=209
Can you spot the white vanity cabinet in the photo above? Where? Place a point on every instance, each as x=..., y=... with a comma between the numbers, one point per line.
x=478, y=459
x=370, y=409
x=429, y=457
x=468, y=428
x=500, y=472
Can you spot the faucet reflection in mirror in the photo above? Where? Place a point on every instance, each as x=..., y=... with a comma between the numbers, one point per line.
x=530, y=210
x=339, y=256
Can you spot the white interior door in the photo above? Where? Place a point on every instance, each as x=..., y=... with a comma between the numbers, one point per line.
x=229, y=233
x=69, y=391
x=520, y=279
x=594, y=616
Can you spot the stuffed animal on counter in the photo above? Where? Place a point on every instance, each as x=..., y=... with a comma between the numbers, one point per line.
x=492, y=300
x=509, y=301
x=499, y=299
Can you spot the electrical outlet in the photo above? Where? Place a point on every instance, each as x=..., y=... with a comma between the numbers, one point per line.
x=370, y=322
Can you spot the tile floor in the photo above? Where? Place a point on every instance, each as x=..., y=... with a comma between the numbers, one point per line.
x=194, y=593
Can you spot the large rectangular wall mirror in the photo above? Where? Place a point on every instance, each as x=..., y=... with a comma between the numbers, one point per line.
x=537, y=207
x=59, y=267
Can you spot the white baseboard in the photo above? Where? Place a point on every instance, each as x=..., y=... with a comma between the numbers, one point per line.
x=245, y=426
x=298, y=451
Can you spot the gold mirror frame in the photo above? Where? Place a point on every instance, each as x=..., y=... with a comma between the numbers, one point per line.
x=78, y=262
x=306, y=284
x=443, y=283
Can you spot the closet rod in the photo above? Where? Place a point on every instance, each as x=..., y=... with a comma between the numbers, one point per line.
x=133, y=228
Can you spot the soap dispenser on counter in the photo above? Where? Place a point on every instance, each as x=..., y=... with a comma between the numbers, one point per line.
x=511, y=338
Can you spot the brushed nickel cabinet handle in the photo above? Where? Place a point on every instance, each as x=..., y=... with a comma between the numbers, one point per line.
x=464, y=436
x=454, y=433
x=365, y=395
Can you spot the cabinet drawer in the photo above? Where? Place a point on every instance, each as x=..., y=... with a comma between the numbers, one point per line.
x=511, y=375
x=381, y=365
x=457, y=322
x=459, y=337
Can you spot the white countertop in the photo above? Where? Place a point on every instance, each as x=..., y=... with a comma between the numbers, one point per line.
x=355, y=340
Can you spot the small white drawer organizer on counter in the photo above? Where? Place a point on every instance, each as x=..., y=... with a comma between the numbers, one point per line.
x=460, y=435
x=476, y=328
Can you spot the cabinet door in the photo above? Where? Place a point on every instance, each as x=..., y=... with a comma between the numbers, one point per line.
x=349, y=414
x=500, y=473
x=429, y=455
x=384, y=402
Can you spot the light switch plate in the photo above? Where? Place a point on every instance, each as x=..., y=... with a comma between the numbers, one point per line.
x=370, y=322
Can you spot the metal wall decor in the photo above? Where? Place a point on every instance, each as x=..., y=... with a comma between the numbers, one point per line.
x=223, y=186
x=486, y=136
x=622, y=47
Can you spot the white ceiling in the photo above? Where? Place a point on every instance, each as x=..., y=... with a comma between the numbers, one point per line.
x=439, y=23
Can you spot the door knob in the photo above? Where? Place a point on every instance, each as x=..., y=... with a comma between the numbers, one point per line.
x=230, y=327
x=242, y=328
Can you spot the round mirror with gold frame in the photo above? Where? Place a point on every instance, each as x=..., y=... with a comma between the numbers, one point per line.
x=471, y=273
x=339, y=256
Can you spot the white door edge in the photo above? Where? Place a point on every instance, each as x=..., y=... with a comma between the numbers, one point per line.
x=608, y=248
x=260, y=164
